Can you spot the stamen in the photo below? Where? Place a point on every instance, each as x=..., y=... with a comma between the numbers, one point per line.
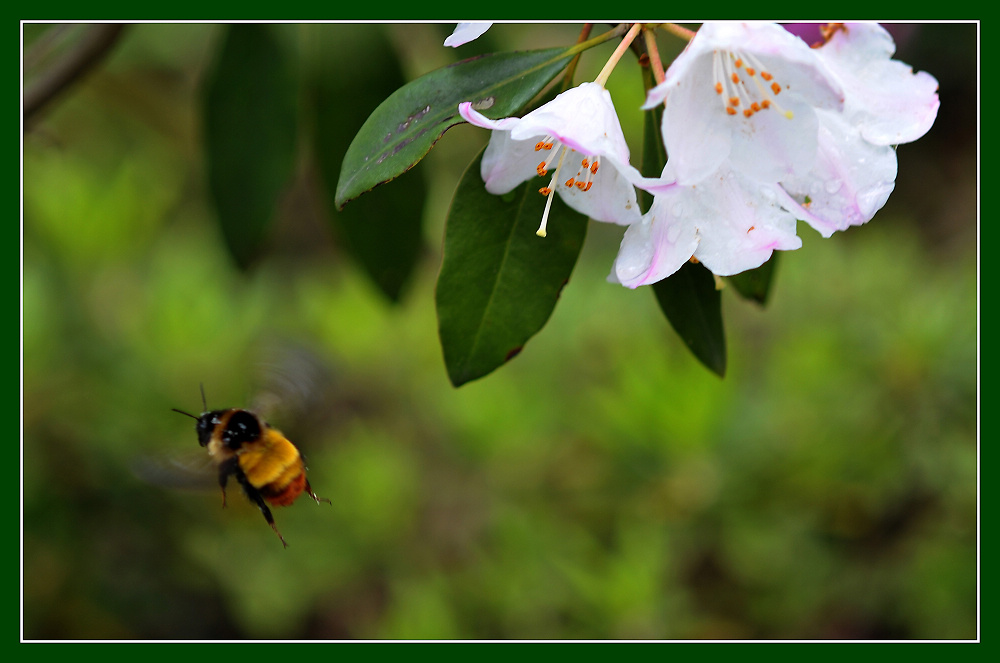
x=548, y=196
x=736, y=90
x=583, y=180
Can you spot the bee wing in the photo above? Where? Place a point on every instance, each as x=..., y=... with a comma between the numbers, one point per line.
x=293, y=384
x=194, y=471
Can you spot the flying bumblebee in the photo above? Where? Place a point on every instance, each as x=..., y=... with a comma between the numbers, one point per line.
x=264, y=462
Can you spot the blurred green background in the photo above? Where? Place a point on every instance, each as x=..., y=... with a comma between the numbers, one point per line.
x=601, y=485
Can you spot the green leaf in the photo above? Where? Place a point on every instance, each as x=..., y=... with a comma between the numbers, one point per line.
x=499, y=282
x=406, y=125
x=693, y=306
x=755, y=284
x=383, y=231
x=250, y=120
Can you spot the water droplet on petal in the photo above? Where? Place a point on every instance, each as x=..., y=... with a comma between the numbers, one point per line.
x=673, y=233
x=833, y=186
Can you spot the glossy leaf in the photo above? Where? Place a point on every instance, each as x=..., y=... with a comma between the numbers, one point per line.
x=383, y=231
x=693, y=306
x=406, y=125
x=499, y=282
x=755, y=284
x=250, y=125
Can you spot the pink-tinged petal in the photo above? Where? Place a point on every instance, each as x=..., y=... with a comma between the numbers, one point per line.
x=728, y=222
x=850, y=181
x=583, y=117
x=466, y=32
x=472, y=116
x=886, y=100
x=654, y=248
x=743, y=226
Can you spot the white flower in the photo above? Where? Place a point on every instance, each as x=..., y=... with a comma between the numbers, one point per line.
x=885, y=104
x=746, y=93
x=576, y=141
x=727, y=221
x=736, y=180
x=466, y=32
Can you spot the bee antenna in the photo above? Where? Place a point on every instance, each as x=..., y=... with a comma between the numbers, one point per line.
x=183, y=412
x=204, y=403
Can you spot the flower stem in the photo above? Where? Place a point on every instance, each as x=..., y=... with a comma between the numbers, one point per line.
x=655, y=63
x=580, y=47
x=678, y=31
x=602, y=77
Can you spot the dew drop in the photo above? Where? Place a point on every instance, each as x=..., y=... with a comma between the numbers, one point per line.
x=483, y=104
x=833, y=186
x=673, y=233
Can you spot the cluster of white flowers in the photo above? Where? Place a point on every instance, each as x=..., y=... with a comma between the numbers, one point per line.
x=760, y=129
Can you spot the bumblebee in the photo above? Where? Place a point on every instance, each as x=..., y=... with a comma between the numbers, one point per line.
x=264, y=462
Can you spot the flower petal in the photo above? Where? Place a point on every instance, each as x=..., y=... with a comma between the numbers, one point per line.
x=583, y=117
x=886, y=100
x=728, y=222
x=654, y=248
x=507, y=163
x=743, y=224
x=466, y=32
x=701, y=129
x=850, y=181
x=611, y=199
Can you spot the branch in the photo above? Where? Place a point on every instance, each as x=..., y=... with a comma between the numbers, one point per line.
x=92, y=47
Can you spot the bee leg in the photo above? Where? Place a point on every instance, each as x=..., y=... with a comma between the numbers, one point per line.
x=225, y=469
x=310, y=493
x=258, y=499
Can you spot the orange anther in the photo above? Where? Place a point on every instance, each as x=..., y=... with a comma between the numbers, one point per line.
x=755, y=106
x=766, y=103
x=594, y=166
x=545, y=191
x=730, y=110
x=589, y=184
x=548, y=146
x=539, y=145
x=750, y=228
x=738, y=63
x=748, y=112
x=766, y=76
x=734, y=101
x=751, y=71
x=585, y=163
x=775, y=88
x=570, y=182
x=718, y=88
x=541, y=170
x=735, y=78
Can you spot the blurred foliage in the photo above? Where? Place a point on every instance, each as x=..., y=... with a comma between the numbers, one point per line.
x=601, y=485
